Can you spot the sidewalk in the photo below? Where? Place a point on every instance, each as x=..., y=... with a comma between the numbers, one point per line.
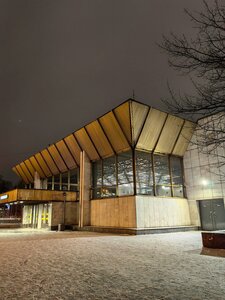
x=61, y=265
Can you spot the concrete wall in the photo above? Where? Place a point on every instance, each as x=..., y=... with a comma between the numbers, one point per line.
x=161, y=212
x=116, y=212
x=204, y=176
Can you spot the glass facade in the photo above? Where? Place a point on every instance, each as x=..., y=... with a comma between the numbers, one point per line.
x=113, y=176
x=155, y=175
x=162, y=175
x=125, y=174
x=144, y=173
x=67, y=181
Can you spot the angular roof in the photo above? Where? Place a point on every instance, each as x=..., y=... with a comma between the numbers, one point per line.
x=128, y=126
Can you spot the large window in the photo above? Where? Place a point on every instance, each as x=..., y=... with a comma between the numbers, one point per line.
x=156, y=175
x=125, y=174
x=74, y=180
x=159, y=175
x=144, y=174
x=162, y=175
x=97, y=178
x=67, y=181
x=109, y=177
x=113, y=176
x=177, y=176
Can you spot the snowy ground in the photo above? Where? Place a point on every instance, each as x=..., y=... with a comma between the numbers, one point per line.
x=81, y=265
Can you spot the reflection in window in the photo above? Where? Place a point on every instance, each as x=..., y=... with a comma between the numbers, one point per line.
x=73, y=180
x=144, y=174
x=125, y=173
x=159, y=175
x=64, y=181
x=97, y=178
x=49, y=183
x=57, y=184
x=67, y=181
x=109, y=177
x=162, y=175
x=177, y=176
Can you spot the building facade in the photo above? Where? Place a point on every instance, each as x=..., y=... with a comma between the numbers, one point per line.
x=132, y=168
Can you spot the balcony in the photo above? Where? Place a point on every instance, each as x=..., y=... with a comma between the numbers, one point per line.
x=37, y=196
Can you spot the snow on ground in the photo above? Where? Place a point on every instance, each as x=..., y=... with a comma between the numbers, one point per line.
x=82, y=265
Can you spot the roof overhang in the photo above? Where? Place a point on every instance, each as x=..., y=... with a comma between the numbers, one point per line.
x=131, y=125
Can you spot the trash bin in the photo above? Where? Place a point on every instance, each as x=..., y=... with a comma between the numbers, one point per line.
x=61, y=227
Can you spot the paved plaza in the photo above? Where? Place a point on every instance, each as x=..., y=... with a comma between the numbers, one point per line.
x=83, y=265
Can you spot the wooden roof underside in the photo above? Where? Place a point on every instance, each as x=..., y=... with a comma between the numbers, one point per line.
x=130, y=125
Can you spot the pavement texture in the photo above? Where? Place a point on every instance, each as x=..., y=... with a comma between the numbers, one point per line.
x=84, y=265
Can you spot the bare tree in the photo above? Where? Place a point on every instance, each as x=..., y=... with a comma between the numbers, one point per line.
x=203, y=58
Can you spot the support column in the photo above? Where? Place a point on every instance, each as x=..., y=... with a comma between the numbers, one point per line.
x=37, y=181
x=85, y=184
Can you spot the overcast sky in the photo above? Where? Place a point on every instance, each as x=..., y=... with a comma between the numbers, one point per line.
x=66, y=62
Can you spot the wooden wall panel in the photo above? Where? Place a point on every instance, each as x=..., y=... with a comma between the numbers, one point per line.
x=57, y=158
x=116, y=212
x=184, y=138
x=99, y=139
x=74, y=147
x=151, y=130
x=45, y=195
x=37, y=167
x=122, y=114
x=169, y=135
x=11, y=195
x=67, y=156
x=50, y=162
x=138, y=116
x=43, y=164
x=86, y=144
x=114, y=132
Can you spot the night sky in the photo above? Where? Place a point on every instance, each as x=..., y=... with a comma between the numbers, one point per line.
x=66, y=62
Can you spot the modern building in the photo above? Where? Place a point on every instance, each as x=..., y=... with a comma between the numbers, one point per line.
x=131, y=170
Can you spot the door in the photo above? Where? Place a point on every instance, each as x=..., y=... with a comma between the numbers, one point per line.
x=212, y=214
x=44, y=216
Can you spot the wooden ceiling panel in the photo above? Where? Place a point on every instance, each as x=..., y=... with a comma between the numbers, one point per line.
x=73, y=147
x=138, y=116
x=37, y=167
x=151, y=130
x=30, y=167
x=86, y=144
x=114, y=132
x=123, y=116
x=50, y=162
x=57, y=158
x=43, y=164
x=169, y=135
x=99, y=139
x=26, y=172
x=67, y=156
x=184, y=138
x=22, y=175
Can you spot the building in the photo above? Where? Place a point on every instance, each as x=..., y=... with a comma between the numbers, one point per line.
x=131, y=170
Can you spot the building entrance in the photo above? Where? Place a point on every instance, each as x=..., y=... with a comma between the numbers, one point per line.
x=212, y=214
